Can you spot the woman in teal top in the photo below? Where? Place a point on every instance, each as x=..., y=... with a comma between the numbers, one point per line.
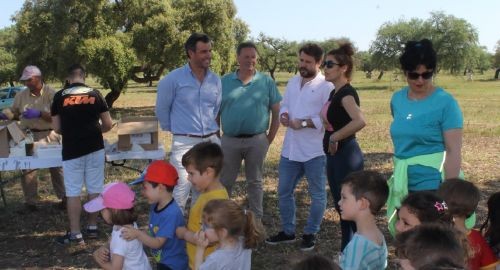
x=427, y=121
x=426, y=130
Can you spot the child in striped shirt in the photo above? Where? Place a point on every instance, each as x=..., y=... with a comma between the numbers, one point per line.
x=362, y=196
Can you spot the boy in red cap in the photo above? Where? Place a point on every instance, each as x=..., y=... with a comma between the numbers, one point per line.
x=164, y=217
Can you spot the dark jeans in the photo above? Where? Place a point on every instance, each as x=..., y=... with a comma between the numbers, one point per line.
x=347, y=159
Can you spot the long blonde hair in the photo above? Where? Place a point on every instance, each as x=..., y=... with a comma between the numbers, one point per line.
x=226, y=214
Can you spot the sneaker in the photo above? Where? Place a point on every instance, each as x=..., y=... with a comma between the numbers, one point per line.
x=92, y=233
x=68, y=238
x=307, y=242
x=281, y=237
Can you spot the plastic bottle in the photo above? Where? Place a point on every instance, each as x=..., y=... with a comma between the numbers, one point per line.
x=29, y=142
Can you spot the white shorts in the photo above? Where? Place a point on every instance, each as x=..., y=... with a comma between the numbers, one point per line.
x=88, y=169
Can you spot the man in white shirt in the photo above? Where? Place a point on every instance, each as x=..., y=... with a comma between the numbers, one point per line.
x=302, y=152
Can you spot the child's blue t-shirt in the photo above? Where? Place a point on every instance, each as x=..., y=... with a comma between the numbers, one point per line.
x=363, y=254
x=418, y=129
x=163, y=223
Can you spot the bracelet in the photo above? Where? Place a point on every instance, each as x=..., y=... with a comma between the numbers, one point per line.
x=331, y=141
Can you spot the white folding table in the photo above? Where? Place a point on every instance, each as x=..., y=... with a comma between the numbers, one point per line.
x=33, y=162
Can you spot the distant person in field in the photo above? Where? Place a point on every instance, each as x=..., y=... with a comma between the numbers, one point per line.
x=249, y=99
x=342, y=118
x=80, y=114
x=426, y=129
x=187, y=104
x=302, y=152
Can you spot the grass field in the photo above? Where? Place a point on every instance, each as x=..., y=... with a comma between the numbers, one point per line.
x=26, y=239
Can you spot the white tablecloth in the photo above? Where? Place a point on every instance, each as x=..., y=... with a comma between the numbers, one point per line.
x=33, y=162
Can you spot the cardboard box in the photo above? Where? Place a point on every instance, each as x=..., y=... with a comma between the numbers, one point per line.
x=142, y=131
x=8, y=132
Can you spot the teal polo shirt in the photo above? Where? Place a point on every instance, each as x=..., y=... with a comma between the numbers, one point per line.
x=245, y=109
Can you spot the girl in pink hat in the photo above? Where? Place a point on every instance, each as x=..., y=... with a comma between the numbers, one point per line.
x=116, y=204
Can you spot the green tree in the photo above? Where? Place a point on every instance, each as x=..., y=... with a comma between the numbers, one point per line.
x=276, y=54
x=479, y=59
x=363, y=62
x=496, y=59
x=110, y=59
x=454, y=39
x=240, y=31
x=148, y=36
x=390, y=40
x=216, y=19
x=7, y=57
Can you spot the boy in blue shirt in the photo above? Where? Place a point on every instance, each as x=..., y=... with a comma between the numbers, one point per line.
x=164, y=217
x=363, y=195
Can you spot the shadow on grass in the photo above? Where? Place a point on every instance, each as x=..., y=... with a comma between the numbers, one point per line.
x=118, y=113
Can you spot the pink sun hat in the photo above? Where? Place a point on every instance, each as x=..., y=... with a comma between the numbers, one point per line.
x=29, y=72
x=115, y=195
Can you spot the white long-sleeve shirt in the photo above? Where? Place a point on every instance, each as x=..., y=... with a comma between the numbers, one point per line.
x=305, y=103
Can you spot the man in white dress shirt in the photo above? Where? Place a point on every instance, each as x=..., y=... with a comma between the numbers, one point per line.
x=302, y=152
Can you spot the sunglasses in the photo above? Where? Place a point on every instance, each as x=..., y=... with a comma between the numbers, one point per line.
x=329, y=64
x=414, y=75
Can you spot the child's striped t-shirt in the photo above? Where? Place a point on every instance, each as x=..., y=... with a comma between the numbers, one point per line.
x=363, y=254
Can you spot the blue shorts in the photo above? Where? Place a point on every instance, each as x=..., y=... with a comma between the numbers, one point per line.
x=88, y=169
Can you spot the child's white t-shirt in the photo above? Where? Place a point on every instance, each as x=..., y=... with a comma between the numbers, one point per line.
x=237, y=258
x=132, y=251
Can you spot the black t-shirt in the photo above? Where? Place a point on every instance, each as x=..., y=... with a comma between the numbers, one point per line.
x=337, y=115
x=79, y=108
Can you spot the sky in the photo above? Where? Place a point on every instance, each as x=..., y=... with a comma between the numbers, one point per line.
x=357, y=20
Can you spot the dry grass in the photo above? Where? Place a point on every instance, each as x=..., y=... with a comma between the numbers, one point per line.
x=26, y=240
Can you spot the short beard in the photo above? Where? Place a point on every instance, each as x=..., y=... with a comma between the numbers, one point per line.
x=305, y=73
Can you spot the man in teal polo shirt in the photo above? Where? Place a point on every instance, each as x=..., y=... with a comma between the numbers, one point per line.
x=249, y=98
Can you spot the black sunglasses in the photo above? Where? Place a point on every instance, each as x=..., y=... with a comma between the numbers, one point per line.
x=414, y=75
x=329, y=64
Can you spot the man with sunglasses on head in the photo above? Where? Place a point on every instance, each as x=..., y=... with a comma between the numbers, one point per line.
x=32, y=108
x=249, y=98
x=302, y=152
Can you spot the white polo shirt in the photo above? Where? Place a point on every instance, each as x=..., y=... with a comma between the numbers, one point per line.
x=305, y=103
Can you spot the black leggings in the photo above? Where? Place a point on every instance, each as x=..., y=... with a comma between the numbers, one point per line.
x=347, y=159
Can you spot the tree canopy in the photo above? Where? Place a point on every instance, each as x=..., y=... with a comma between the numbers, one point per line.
x=122, y=39
x=454, y=39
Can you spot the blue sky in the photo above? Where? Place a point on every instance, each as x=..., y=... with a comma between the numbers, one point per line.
x=358, y=20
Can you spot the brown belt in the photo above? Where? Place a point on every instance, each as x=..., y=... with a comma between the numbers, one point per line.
x=196, y=136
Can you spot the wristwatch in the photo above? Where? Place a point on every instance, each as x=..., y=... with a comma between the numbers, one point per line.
x=304, y=123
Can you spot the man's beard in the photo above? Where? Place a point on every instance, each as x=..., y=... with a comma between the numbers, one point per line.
x=306, y=73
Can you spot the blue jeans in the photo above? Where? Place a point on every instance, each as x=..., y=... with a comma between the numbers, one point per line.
x=347, y=159
x=290, y=173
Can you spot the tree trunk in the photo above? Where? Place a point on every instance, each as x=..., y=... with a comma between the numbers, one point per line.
x=380, y=75
x=271, y=73
x=112, y=96
x=11, y=82
x=496, y=73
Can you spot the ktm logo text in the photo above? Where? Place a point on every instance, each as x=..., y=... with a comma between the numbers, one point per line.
x=76, y=100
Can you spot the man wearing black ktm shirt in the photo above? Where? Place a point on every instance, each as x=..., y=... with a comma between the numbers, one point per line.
x=76, y=111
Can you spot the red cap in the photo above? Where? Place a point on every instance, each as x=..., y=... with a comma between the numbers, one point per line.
x=161, y=172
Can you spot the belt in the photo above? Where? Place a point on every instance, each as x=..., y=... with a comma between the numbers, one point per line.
x=40, y=130
x=245, y=135
x=197, y=136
